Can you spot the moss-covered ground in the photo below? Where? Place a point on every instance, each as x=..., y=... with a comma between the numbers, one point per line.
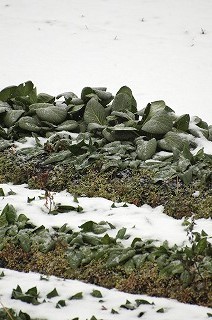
x=135, y=186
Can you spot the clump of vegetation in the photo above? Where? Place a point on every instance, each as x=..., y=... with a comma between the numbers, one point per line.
x=101, y=145
x=93, y=256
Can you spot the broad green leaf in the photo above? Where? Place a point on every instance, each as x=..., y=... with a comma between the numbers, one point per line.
x=25, y=241
x=4, y=144
x=60, y=304
x=7, y=93
x=174, y=267
x=52, y=294
x=10, y=213
x=52, y=114
x=186, y=176
x=74, y=259
x=146, y=149
x=12, y=117
x=142, y=301
x=105, y=97
x=128, y=91
x=171, y=141
x=182, y=123
x=85, y=94
x=121, y=233
x=94, y=112
x=29, y=124
x=94, y=241
x=122, y=102
x=96, y=294
x=38, y=105
x=186, y=277
x=124, y=115
x=152, y=108
x=24, y=89
x=60, y=156
x=77, y=296
x=45, y=98
x=159, y=123
x=68, y=125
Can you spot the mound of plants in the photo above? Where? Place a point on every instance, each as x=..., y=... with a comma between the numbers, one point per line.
x=103, y=145
x=92, y=255
x=96, y=141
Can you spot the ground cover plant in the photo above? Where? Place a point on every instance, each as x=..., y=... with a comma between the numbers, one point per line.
x=101, y=140
x=101, y=145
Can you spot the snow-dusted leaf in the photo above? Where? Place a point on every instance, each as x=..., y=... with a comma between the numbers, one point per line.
x=122, y=102
x=146, y=149
x=94, y=112
x=29, y=124
x=53, y=114
x=182, y=123
x=159, y=123
x=12, y=117
x=68, y=125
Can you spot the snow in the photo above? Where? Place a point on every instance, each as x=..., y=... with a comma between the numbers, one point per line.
x=100, y=308
x=161, y=49
x=144, y=222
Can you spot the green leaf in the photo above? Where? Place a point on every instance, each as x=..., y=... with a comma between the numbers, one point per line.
x=77, y=296
x=29, y=297
x=52, y=114
x=85, y=93
x=29, y=124
x=68, y=125
x=182, y=123
x=121, y=233
x=113, y=311
x=7, y=93
x=175, y=267
x=141, y=302
x=186, y=278
x=60, y=156
x=122, y=102
x=24, y=89
x=25, y=241
x=128, y=306
x=159, y=123
x=10, y=213
x=171, y=141
x=2, y=192
x=209, y=314
x=52, y=294
x=74, y=258
x=187, y=176
x=45, y=98
x=94, y=112
x=60, y=303
x=96, y=294
x=30, y=199
x=12, y=117
x=146, y=149
x=4, y=144
x=161, y=310
x=38, y=105
x=128, y=91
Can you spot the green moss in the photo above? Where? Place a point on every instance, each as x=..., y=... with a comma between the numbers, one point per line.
x=135, y=186
x=145, y=280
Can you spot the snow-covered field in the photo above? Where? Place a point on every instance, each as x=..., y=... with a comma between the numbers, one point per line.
x=161, y=49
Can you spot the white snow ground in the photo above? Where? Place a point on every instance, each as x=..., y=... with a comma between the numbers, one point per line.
x=162, y=49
